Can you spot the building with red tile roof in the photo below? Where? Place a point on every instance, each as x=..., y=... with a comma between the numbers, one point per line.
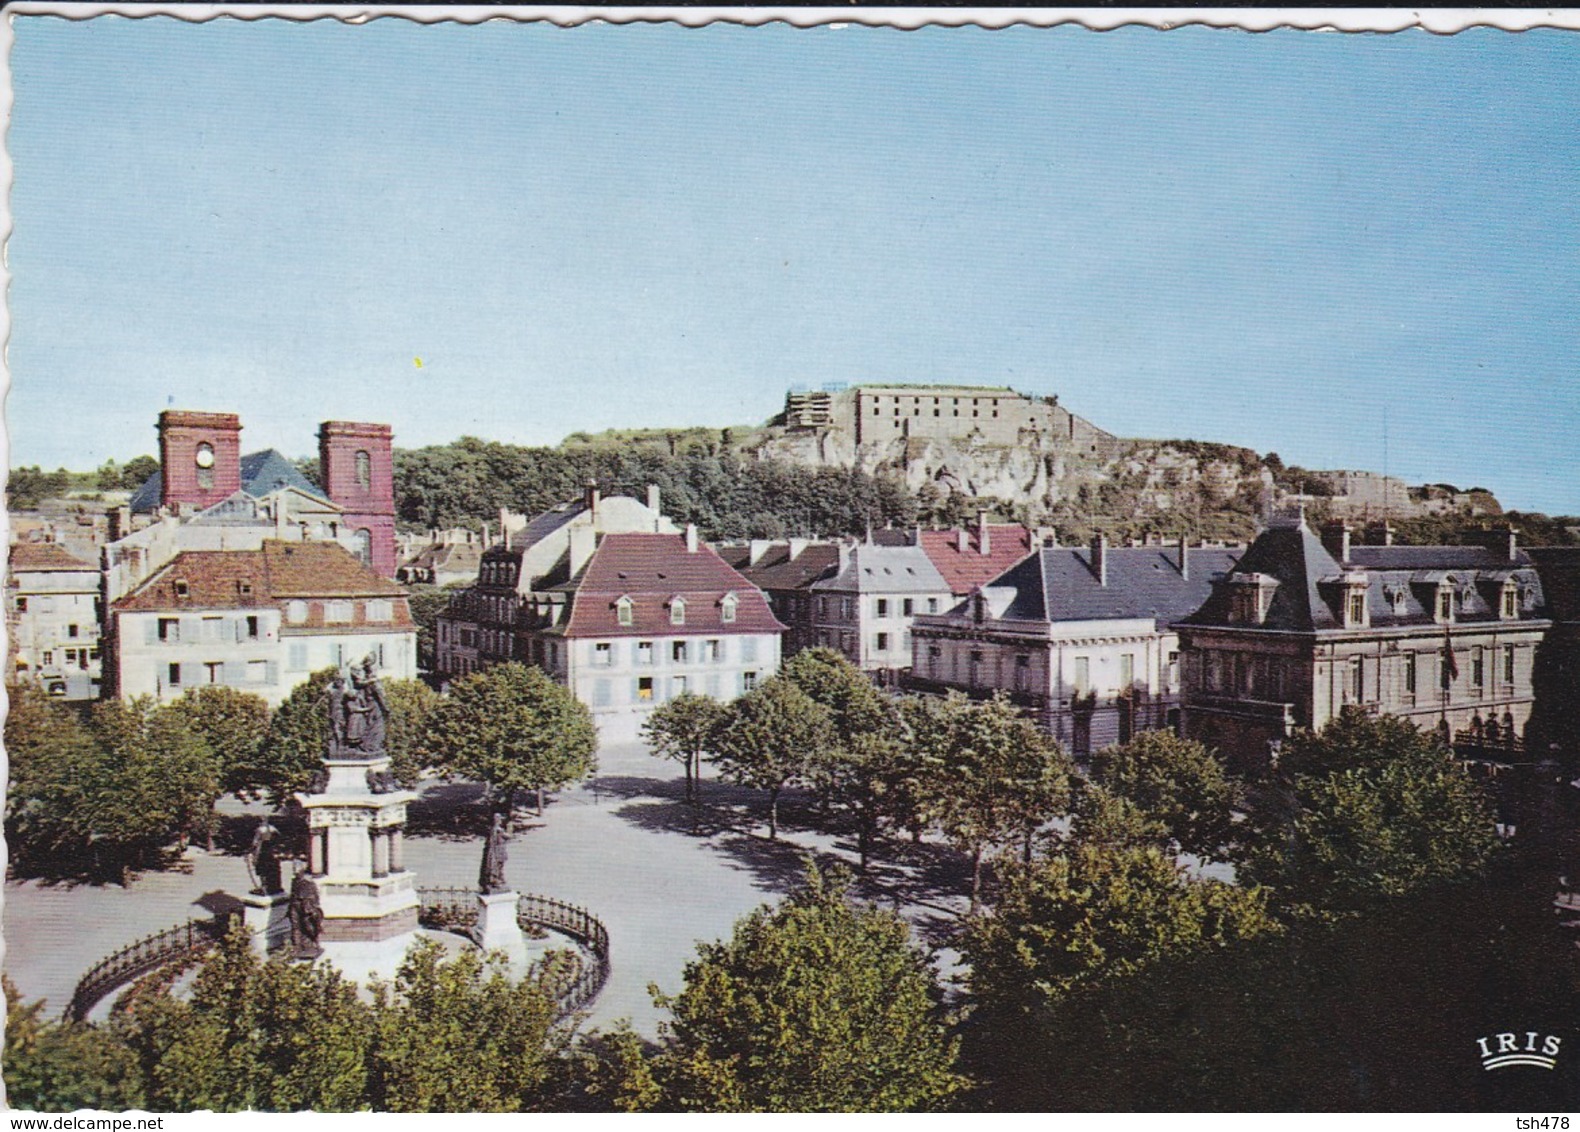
x=52, y=619
x=969, y=557
x=258, y=620
x=651, y=616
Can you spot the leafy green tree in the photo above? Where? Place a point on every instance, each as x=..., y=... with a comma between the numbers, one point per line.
x=683, y=729
x=811, y=1006
x=859, y=712
x=1176, y=782
x=464, y=1036
x=770, y=738
x=293, y=750
x=56, y=1066
x=233, y=724
x=137, y=470
x=271, y=1035
x=411, y=704
x=1095, y=912
x=1368, y=808
x=1001, y=778
x=515, y=729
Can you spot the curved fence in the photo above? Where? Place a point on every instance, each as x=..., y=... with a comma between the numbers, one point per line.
x=139, y=958
x=456, y=908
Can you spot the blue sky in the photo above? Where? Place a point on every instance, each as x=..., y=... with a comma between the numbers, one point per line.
x=1259, y=239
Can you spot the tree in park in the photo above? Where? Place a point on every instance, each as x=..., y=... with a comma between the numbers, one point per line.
x=293, y=750
x=515, y=729
x=846, y=771
x=811, y=1006
x=1177, y=783
x=1000, y=777
x=1092, y=912
x=770, y=738
x=233, y=724
x=55, y=1066
x=683, y=729
x=1366, y=809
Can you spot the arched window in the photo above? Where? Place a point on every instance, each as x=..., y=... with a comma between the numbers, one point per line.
x=363, y=543
x=364, y=470
x=677, y=611
x=623, y=611
x=727, y=608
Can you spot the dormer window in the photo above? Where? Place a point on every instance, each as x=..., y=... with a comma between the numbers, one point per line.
x=1444, y=611
x=727, y=608
x=1355, y=602
x=1509, y=606
x=623, y=611
x=181, y=588
x=677, y=611
x=1249, y=597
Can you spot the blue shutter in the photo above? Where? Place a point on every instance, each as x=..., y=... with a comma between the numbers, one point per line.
x=191, y=674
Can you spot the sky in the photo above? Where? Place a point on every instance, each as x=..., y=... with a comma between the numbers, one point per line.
x=1359, y=251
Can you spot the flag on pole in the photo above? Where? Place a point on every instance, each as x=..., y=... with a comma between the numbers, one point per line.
x=1450, y=665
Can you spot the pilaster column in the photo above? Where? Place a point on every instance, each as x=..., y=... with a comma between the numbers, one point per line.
x=381, y=852
x=315, y=852
x=397, y=848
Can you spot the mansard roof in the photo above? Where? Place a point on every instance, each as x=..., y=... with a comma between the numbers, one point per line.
x=252, y=579
x=884, y=569
x=1060, y=583
x=652, y=570
x=1401, y=582
x=777, y=569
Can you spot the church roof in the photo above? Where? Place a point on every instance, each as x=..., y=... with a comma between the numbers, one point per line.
x=261, y=473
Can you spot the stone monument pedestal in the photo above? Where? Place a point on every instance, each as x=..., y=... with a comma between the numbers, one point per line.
x=267, y=920
x=497, y=927
x=355, y=857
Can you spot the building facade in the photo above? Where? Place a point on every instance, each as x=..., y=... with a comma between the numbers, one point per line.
x=651, y=616
x=1078, y=637
x=865, y=607
x=1302, y=626
x=258, y=620
x=52, y=620
x=482, y=624
x=785, y=571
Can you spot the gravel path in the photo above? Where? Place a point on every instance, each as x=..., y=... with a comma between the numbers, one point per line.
x=660, y=874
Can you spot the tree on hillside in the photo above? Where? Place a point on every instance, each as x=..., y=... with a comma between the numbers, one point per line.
x=1368, y=808
x=1001, y=777
x=770, y=738
x=683, y=729
x=1176, y=782
x=515, y=729
x=811, y=1006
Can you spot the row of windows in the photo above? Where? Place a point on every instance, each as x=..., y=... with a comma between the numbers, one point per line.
x=78, y=656
x=653, y=689
x=47, y=603
x=625, y=610
x=234, y=673
x=643, y=653
x=173, y=630
x=1274, y=679
x=337, y=654
x=845, y=607
x=342, y=612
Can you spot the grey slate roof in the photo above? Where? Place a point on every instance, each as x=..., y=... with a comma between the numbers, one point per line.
x=1060, y=584
x=261, y=473
x=1402, y=582
x=886, y=570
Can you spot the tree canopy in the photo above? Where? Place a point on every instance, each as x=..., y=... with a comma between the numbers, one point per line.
x=512, y=727
x=811, y=1006
x=1177, y=783
x=770, y=738
x=1368, y=808
x=684, y=728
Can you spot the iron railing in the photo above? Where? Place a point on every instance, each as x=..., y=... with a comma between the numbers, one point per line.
x=137, y=959
x=580, y=982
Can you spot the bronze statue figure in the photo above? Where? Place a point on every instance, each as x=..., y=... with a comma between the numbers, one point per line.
x=366, y=711
x=263, y=861
x=335, y=697
x=491, y=877
x=307, y=917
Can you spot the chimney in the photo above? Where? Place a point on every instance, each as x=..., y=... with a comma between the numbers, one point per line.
x=982, y=531
x=1100, y=558
x=756, y=549
x=797, y=545
x=120, y=523
x=591, y=496
x=691, y=538
x=844, y=556
x=914, y=536
x=486, y=543
x=1387, y=533
x=583, y=541
x=1514, y=544
x=1184, y=556
x=962, y=539
x=1336, y=538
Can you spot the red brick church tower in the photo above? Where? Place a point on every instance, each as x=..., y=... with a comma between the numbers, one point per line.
x=199, y=457
x=358, y=474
